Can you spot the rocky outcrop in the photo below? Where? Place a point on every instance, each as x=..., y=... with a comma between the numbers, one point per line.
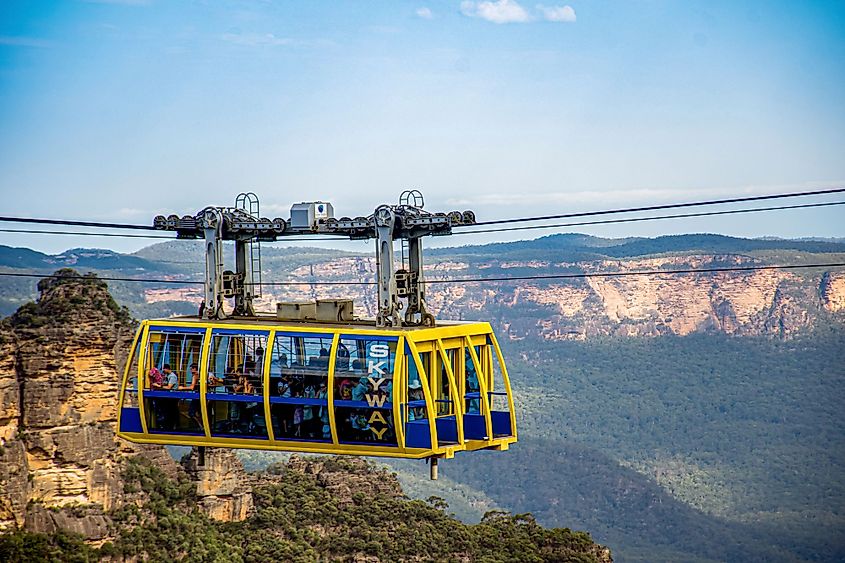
x=60, y=360
x=832, y=292
x=224, y=489
x=345, y=476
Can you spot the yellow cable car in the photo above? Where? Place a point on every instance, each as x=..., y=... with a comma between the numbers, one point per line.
x=337, y=388
x=315, y=378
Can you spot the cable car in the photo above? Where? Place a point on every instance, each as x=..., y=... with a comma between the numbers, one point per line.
x=314, y=377
x=316, y=387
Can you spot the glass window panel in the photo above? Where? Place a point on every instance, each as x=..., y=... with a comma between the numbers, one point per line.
x=168, y=359
x=442, y=390
x=472, y=395
x=130, y=394
x=364, y=385
x=237, y=419
x=168, y=368
x=236, y=362
x=299, y=365
x=236, y=367
x=299, y=368
x=416, y=396
x=173, y=415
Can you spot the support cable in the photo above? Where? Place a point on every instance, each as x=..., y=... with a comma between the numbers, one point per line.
x=479, y=280
x=32, y=220
x=651, y=218
x=658, y=207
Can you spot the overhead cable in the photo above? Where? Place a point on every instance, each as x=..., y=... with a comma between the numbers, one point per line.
x=9, y=219
x=478, y=280
x=651, y=218
x=76, y=223
x=132, y=235
x=658, y=207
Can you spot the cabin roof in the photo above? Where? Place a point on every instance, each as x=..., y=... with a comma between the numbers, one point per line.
x=270, y=320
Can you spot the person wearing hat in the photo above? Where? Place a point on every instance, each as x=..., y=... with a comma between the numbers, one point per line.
x=416, y=394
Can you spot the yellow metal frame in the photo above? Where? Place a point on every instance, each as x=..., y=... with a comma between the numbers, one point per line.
x=435, y=340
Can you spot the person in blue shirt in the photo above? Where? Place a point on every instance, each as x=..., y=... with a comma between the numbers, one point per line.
x=359, y=392
x=194, y=408
x=171, y=380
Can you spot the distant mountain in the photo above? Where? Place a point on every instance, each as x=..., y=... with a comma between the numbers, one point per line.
x=98, y=259
x=580, y=247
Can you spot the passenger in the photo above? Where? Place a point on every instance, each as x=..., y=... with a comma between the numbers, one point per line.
x=473, y=405
x=244, y=385
x=297, y=421
x=156, y=379
x=342, y=357
x=360, y=426
x=284, y=387
x=345, y=389
x=216, y=384
x=167, y=410
x=194, y=408
x=359, y=392
x=308, y=418
x=416, y=394
x=171, y=380
x=323, y=393
x=278, y=364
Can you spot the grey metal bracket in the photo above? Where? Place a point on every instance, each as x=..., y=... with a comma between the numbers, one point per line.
x=400, y=289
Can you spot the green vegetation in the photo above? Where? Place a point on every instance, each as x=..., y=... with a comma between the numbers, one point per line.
x=748, y=431
x=74, y=290
x=298, y=519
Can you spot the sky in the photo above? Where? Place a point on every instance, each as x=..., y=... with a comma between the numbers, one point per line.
x=119, y=110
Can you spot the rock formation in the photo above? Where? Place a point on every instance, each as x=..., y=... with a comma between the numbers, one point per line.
x=224, y=489
x=61, y=360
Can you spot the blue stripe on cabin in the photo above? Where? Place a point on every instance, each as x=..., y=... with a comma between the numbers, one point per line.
x=178, y=329
x=130, y=420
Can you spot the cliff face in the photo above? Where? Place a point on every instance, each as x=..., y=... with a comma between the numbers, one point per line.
x=61, y=361
x=774, y=302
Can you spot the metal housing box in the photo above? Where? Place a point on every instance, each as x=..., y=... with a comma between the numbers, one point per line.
x=296, y=311
x=306, y=215
x=334, y=310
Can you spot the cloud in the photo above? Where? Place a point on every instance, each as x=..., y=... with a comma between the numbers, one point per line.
x=557, y=13
x=424, y=13
x=256, y=39
x=18, y=41
x=499, y=11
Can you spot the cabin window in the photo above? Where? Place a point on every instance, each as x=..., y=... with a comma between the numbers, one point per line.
x=363, y=393
x=171, y=352
x=299, y=372
x=416, y=396
x=235, y=401
x=171, y=396
x=472, y=388
x=130, y=393
x=441, y=390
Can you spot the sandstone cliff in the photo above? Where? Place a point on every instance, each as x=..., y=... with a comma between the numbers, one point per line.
x=773, y=302
x=61, y=360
